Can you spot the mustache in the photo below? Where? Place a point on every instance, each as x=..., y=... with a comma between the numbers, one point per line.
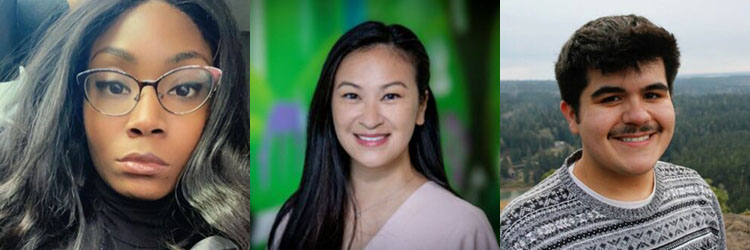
x=630, y=129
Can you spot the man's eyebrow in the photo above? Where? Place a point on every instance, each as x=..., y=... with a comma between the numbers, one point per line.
x=606, y=90
x=115, y=52
x=342, y=84
x=396, y=83
x=656, y=86
x=185, y=55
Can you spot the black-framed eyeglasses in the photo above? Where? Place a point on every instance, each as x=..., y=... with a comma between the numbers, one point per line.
x=179, y=91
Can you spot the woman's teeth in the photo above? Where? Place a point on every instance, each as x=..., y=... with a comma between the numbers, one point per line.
x=366, y=138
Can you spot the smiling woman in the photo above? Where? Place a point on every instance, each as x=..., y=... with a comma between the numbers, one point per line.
x=117, y=143
x=373, y=176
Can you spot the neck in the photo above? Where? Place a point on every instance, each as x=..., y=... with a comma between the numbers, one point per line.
x=371, y=183
x=131, y=221
x=116, y=200
x=611, y=184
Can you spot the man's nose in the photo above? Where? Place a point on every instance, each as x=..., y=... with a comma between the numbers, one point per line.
x=636, y=113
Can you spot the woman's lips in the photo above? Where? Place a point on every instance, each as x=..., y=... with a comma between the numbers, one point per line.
x=142, y=164
x=371, y=140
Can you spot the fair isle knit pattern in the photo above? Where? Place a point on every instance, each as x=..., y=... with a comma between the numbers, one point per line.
x=558, y=214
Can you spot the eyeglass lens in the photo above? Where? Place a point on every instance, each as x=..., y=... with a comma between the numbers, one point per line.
x=181, y=91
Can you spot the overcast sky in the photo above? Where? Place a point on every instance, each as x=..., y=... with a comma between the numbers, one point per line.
x=713, y=36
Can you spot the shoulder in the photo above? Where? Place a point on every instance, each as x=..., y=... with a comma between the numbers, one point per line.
x=682, y=183
x=679, y=179
x=433, y=202
x=549, y=197
x=676, y=171
x=685, y=186
x=435, y=217
x=547, y=193
x=276, y=235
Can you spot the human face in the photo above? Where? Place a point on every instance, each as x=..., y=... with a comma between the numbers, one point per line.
x=626, y=119
x=142, y=153
x=376, y=106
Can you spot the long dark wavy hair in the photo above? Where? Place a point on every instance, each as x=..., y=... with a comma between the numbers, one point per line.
x=46, y=173
x=317, y=210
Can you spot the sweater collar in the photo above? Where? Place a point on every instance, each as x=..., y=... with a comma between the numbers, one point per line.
x=624, y=214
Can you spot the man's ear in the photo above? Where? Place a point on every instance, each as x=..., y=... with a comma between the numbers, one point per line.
x=570, y=116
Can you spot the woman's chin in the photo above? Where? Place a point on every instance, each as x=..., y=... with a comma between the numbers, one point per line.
x=143, y=192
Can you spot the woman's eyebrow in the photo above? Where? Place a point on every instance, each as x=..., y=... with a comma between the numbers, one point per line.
x=127, y=56
x=115, y=52
x=185, y=55
x=388, y=85
x=342, y=84
x=396, y=83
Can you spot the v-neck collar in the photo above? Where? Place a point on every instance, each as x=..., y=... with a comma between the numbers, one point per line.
x=399, y=211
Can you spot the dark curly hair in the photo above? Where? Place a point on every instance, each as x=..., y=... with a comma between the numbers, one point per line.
x=612, y=44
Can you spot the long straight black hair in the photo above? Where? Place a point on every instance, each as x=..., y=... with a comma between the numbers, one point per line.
x=46, y=173
x=317, y=210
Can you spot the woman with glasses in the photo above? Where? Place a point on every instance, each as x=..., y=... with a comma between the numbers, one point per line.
x=129, y=130
x=373, y=176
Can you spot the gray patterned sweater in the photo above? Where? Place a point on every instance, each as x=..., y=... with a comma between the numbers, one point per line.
x=558, y=214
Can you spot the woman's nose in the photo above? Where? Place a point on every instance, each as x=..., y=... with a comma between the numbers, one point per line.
x=147, y=118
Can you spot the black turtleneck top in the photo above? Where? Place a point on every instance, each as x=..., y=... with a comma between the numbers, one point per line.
x=131, y=223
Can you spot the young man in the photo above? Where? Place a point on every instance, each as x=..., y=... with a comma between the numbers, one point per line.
x=615, y=76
